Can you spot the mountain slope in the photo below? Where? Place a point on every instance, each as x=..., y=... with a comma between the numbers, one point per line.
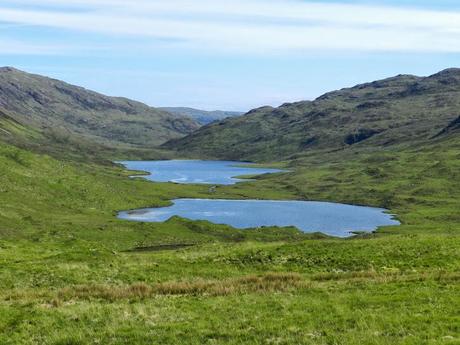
x=452, y=127
x=72, y=273
x=202, y=116
x=383, y=113
x=53, y=106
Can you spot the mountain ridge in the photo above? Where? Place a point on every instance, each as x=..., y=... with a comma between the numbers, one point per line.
x=391, y=111
x=48, y=105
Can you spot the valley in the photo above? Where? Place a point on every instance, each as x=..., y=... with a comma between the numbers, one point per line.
x=72, y=273
x=203, y=117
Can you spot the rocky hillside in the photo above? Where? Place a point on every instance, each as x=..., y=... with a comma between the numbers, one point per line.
x=203, y=117
x=56, y=108
x=398, y=110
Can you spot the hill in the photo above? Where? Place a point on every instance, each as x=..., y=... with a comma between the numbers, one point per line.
x=72, y=273
x=203, y=117
x=57, y=110
x=393, y=111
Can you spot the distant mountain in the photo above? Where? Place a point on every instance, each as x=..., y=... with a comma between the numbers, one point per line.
x=54, y=108
x=398, y=110
x=203, y=117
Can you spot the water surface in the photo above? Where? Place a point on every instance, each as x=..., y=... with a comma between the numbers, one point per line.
x=308, y=216
x=196, y=171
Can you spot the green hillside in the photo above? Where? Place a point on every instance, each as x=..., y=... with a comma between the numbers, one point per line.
x=60, y=111
x=399, y=110
x=72, y=273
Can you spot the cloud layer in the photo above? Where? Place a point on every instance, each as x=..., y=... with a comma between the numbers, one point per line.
x=240, y=26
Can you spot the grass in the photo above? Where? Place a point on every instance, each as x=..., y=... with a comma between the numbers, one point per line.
x=71, y=273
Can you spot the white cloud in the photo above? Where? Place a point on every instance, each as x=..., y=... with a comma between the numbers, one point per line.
x=250, y=26
x=17, y=47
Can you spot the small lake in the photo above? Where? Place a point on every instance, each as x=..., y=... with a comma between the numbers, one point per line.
x=196, y=171
x=308, y=216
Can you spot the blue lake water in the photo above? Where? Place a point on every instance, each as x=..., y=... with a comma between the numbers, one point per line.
x=308, y=216
x=196, y=171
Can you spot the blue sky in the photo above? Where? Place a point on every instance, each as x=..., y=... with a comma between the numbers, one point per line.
x=227, y=54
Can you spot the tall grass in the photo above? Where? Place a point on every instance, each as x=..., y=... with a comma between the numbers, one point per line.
x=267, y=283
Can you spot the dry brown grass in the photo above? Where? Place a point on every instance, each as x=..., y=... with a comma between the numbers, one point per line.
x=108, y=292
x=267, y=283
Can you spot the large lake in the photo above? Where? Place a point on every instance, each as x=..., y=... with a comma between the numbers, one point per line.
x=196, y=171
x=308, y=216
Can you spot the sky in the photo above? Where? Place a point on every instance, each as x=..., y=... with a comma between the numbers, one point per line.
x=227, y=54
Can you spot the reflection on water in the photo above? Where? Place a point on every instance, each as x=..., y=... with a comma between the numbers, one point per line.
x=308, y=216
x=195, y=171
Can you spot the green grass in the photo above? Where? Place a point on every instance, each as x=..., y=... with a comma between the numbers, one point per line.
x=68, y=274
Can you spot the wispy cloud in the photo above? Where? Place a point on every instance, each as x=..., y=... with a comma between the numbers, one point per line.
x=249, y=26
x=19, y=47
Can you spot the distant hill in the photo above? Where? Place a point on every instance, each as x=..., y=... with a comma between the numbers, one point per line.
x=398, y=110
x=54, y=109
x=203, y=117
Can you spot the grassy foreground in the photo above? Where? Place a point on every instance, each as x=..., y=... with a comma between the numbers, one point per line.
x=71, y=273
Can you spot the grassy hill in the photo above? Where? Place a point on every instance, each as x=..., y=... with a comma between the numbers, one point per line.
x=72, y=273
x=202, y=116
x=394, y=111
x=59, y=112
